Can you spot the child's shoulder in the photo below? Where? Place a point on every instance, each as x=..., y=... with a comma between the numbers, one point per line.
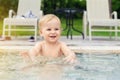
x=62, y=43
x=40, y=43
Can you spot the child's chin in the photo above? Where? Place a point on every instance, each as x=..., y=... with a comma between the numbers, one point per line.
x=53, y=40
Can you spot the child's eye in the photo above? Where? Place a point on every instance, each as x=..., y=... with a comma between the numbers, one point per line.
x=48, y=29
x=56, y=29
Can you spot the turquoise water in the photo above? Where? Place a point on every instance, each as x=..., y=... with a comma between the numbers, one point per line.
x=89, y=67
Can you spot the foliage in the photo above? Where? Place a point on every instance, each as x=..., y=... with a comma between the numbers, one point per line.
x=116, y=6
x=51, y=5
x=48, y=6
x=6, y=5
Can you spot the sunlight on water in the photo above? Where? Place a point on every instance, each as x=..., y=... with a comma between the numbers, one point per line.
x=89, y=67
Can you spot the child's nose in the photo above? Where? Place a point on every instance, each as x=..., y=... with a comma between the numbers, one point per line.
x=52, y=31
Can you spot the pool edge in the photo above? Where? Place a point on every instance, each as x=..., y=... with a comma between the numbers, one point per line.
x=77, y=49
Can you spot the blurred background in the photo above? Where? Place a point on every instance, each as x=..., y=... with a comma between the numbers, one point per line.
x=50, y=6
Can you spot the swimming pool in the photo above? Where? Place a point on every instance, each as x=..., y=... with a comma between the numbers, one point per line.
x=90, y=67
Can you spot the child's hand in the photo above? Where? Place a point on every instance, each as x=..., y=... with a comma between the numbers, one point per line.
x=24, y=54
x=70, y=59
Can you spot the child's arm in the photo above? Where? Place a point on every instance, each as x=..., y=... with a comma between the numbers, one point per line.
x=32, y=53
x=70, y=55
x=25, y=55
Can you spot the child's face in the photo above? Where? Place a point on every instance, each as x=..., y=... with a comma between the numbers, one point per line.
x=51, y=31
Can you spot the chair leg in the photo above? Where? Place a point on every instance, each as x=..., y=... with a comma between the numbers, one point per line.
x=90, y=33
x=85, y=30
x=85, y=24
x=3, y=32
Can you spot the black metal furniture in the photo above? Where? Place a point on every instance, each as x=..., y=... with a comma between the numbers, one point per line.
x=69, y=13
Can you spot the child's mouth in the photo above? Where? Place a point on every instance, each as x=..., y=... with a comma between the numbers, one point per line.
x=52, y=36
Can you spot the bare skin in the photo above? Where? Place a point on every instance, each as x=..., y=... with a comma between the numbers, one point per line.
x=50, y=46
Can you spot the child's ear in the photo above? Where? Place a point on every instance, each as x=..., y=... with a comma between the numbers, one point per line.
x=40, y=32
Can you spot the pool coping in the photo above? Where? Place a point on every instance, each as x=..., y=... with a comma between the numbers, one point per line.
x=77, y=44
x=76, y=49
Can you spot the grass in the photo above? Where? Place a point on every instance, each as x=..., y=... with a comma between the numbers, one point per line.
x=77, y=25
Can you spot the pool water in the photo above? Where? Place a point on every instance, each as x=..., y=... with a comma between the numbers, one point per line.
x=89, y=67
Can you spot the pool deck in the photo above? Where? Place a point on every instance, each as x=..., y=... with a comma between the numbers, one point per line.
x=77, y=44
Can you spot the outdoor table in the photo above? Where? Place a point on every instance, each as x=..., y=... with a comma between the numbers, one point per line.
x=69, y=13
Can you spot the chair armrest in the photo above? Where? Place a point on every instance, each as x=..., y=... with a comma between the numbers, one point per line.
x=40, y=13
x=114, y=15
x=11, y=13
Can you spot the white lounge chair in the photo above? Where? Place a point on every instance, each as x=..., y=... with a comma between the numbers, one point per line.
x=28, y=13
x=98, y=14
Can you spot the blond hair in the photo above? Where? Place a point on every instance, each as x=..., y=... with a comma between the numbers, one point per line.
x=47, y=18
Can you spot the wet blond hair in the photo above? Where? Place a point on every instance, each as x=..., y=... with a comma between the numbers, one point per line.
x=46, y=18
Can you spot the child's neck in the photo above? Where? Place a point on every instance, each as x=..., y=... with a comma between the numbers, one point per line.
x=51, y=43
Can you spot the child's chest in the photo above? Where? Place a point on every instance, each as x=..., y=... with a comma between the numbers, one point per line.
x=51, y=51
